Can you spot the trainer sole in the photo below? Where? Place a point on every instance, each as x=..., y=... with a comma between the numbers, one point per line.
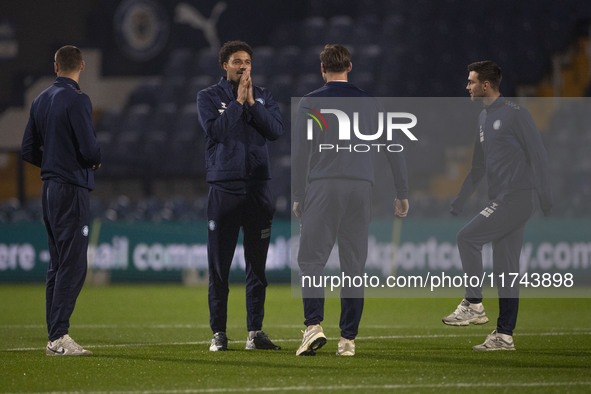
x=490, y=350
x=346, y=354
x=477, y=321
x=315, y=345
x=53, y=353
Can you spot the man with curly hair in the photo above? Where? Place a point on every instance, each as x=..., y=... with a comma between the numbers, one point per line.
x=238, y=118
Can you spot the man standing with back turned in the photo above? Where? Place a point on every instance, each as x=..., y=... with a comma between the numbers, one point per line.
x=60, y=139
x=238, y=118
x=509, y=151
x=332, y=195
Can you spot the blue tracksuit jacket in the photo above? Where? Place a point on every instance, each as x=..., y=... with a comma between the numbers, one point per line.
x=60, y=137
x=236, y=135
x=308, y=164
x=510, y=152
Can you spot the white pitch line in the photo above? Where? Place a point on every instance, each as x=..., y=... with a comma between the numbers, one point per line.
x=431, y=336
x=354, y=387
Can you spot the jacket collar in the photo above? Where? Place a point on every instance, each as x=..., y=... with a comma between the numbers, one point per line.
x=496, y=104
x=227, y=87
x=339, y=83
x=68, y=81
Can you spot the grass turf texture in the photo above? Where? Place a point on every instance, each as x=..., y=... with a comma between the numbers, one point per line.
x=155, y=338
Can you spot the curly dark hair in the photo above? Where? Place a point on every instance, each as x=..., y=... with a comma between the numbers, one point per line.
x=231, y=47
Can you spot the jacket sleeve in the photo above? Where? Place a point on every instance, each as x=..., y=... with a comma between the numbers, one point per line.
x=399, y=171
x=472, y=179
x=32, y=145
x=217, y=126
x=80, y=115
x=531, y=141
x=396, y=160
x=300, y=155
x=397, y=163
x=267, y=117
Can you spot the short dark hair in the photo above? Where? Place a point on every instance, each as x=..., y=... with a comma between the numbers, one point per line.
x=68, y=58
x=231, y=47
x=487, y=71
x=336, y=58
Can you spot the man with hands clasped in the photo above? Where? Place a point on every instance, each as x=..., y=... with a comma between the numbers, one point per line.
x=238, y=118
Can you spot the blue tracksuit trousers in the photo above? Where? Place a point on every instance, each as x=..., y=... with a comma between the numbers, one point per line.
x=502, y=222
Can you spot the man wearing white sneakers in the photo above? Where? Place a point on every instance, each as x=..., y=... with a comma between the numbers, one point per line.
x=510, y=153
x=60, y=139
x=332, y=195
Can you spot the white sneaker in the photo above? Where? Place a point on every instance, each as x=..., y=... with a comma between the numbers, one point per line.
x=346, y=347
x=496, y=341
x=65, y=346
x=465, y=314
x=219, y=342
x=313, y=340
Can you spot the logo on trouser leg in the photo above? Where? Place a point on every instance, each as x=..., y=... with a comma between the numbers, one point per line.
x=211, y=225
x=85, y=231
x=265, y=233
x=486, y=212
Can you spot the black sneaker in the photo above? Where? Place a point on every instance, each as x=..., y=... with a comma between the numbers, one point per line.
x=259, y=340
x=219, y=342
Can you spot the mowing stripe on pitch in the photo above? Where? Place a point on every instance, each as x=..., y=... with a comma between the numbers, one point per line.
x=354, y=387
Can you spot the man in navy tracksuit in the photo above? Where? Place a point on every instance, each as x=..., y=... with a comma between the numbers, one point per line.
x=238, y=119
x=332, y=195
x=60, y=139
x=509, y=152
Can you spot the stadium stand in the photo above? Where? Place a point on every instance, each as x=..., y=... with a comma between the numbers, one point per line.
x=399, y=49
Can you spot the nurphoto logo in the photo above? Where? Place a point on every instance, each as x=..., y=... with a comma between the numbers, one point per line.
x=389, y=122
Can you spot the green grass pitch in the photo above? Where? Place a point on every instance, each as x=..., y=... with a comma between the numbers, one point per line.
x=155, y=339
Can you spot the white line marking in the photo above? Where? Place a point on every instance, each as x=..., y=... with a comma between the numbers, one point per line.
x=355, y=387
x=431, y=336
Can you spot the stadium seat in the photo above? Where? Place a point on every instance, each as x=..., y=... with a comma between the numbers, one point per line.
x=259, y=80
x=281, y=87
x=110, y=120
x=307, y=83
x=186, y=144
x=393, y=31
x=163, y=118
x=310, y=59
x=263, y=60
x=340, y=29
x=312, y=31
x=196, y=84
x=206, y=62
x=137, y=119
x=178, y=63
x=145, y=93
x=119, y=208
x=288, y=60
x=283, y=34
x=172, y=91
x=363, y=80
x=367, y=58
